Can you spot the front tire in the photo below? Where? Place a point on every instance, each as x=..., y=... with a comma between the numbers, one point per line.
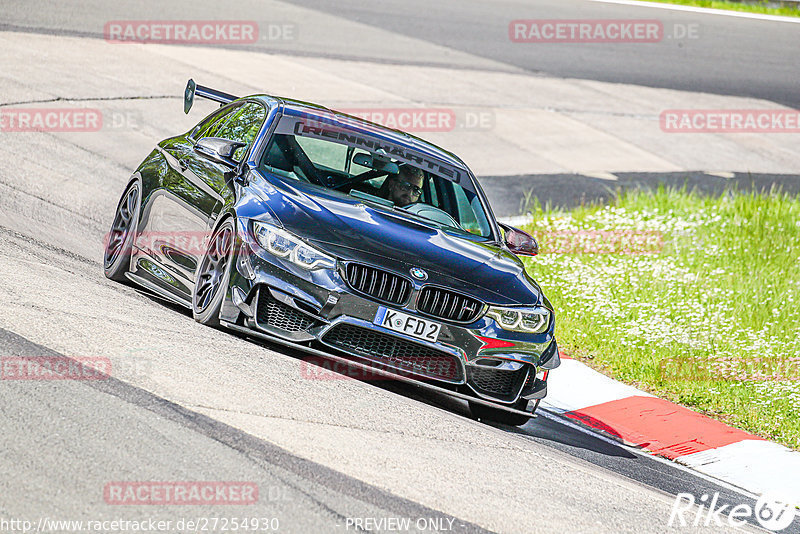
x=213, y=275
x=119, y=241
x=496, y=415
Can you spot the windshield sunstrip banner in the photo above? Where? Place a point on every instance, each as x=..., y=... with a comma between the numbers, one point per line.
x=337, y=134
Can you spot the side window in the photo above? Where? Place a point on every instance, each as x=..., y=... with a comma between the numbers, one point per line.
x=466, y=214
x=243, y=126
x=278, y=159
x=212, y=123
x=377, y=183
x=428, y=196
x=324, y=153
x=355, y=168
x=434, y=201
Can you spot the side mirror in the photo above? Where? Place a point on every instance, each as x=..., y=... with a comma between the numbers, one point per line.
x=520, y=242
x=188, y=95
x=219, y=150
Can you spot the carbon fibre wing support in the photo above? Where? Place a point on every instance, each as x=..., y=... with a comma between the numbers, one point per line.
x=192, y=90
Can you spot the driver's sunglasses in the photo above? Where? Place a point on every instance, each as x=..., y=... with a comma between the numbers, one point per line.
x=408, y=186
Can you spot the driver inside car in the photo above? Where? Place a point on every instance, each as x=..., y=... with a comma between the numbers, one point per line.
x=403, y=188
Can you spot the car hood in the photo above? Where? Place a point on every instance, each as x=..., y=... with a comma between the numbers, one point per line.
x=358, y=231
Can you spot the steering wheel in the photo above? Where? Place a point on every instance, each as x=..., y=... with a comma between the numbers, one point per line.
x=433, y=213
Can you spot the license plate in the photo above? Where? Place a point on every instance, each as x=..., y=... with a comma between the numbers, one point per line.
x=407, y=324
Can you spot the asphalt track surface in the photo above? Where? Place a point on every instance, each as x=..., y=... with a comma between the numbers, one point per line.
x=699, y=52
x=725, y=55
x=190, y=403
x=64, y=440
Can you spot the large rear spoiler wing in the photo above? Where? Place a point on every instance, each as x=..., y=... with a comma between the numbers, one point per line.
x=192, y=90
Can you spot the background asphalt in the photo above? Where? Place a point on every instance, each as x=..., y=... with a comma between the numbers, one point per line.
x=725, y=55
x=741, y=58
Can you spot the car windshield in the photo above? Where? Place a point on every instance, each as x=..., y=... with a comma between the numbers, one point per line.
x=376, y=171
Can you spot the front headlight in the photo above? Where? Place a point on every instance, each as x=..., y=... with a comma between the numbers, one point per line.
x=532, y=320
x=288, y=246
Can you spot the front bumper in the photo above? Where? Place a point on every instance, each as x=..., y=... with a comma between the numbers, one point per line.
x=269, y=295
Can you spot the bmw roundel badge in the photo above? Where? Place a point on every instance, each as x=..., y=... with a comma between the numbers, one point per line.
x=418, y=273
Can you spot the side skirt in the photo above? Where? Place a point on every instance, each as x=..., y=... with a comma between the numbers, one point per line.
x=163, y=293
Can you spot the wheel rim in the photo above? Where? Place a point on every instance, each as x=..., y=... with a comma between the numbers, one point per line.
x=121, y=227
x=213, y=268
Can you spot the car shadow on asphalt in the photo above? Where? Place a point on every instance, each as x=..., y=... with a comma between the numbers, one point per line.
x=544, y=430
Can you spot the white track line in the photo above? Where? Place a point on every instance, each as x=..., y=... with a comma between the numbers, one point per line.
x=703, y=10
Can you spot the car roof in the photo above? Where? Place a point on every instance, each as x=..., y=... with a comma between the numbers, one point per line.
x=298, y=108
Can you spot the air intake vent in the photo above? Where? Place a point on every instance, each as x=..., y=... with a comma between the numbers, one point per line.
x=276, y=314
x=377, y=283
x=395, y=353
x=501, y=384
x=448, y=305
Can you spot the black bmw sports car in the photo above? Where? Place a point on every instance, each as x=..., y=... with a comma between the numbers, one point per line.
x=296, y=224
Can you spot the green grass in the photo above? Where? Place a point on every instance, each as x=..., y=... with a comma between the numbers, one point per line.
x=711, y=321
x=760, y=7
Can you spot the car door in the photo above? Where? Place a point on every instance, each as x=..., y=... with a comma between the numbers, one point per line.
x=182, y=213
x=241, y=125
x=175, y=214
